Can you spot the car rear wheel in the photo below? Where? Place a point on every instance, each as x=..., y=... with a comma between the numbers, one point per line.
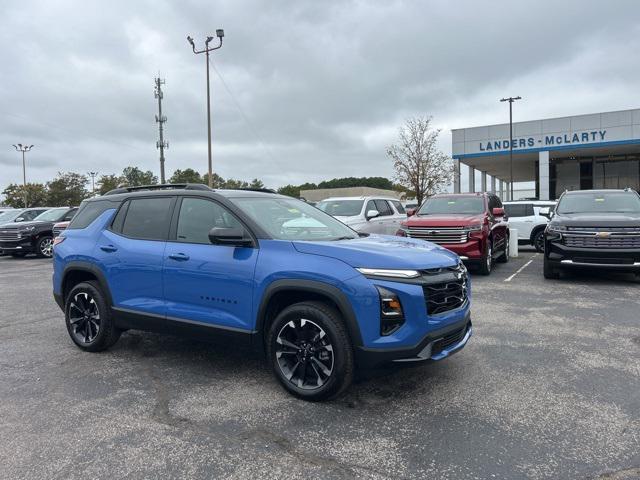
x=310, y=351
x=550, y=273
x=88, y=318
x=486, y=263
x=538, y=241
x=45, y=247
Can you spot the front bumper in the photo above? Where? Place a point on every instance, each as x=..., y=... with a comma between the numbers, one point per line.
x=435, y=345
x=468, y=251
x=619, y=259
x=17, y=246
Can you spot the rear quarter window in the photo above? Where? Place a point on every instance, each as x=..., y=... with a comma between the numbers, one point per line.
x=89, y=212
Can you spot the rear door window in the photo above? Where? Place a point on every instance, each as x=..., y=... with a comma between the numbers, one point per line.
x=398, y=206
x=148, y=218
x=518, y=210
x=383, y=207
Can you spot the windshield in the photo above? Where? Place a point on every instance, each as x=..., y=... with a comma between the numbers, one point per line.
x=341, y=208
x=453, y=205
x=600, y=202
x=290, y=219
x=9, y=216
x=53, y=215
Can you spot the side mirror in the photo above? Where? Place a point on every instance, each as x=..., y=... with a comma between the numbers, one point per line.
x=411, y=212
x=237, y=237
x=545, y=212
x=19, y=219
x=498, y=212
x=372, y=214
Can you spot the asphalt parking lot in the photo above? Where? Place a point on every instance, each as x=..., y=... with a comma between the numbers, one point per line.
x=548, y=387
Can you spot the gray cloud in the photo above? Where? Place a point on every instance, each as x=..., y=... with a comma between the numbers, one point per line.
x=321, y=86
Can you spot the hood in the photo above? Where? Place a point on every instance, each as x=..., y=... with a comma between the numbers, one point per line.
x=444, y=220
x=597, y=219
x=349, y=219
x=13, y=225
x=383, y=251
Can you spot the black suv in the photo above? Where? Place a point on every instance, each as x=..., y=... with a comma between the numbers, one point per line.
x=594, y=228
x=36, y=236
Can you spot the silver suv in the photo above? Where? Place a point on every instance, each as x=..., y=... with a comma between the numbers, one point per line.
x=366, y=214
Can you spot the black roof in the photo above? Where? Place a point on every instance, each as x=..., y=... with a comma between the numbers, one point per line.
x=183, y=189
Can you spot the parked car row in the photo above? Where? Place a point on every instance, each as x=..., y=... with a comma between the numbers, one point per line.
x=31, y=230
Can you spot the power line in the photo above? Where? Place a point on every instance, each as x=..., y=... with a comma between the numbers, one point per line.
x=242, y=114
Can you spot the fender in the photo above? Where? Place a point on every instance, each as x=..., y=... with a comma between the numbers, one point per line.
x=78, y=265
x=330, y=291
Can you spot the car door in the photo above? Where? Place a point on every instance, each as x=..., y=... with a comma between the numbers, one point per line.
x=518, y=219
x=131, y=251
x=399, y=216
x=206, y=284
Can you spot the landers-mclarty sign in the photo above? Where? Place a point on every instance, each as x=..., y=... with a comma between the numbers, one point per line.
x=548, y=141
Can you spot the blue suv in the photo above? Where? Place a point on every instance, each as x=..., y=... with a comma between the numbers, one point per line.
x=269, y=271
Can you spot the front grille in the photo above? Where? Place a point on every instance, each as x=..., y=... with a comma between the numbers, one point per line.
x=439, y=235
x=593, y=240
x=449, y=294
x=9, y=235
x=448, y=340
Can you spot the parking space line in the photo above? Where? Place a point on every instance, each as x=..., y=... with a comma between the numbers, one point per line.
x=520, y=269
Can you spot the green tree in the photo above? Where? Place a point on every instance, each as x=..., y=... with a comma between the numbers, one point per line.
x=218, y=181
x=134, y=177
x=188, y=175
x=36, y=195
x=255, y=183
x=373, y=182
x=290, y=190
x=232, y=183
x=67, y=189
x=108, y=182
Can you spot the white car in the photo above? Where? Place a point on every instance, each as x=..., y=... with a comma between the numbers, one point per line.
x=366, y=214
x=525, y=217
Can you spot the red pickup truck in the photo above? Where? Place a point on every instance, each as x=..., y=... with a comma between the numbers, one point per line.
x=473, y=225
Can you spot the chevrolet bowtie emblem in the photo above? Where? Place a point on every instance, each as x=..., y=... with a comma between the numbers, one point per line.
x=603, y=234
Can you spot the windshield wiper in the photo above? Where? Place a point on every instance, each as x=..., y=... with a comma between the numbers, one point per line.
x=342, y=238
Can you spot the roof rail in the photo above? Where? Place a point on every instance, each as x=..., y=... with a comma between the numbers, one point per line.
x=164, y=186
x=263, y=190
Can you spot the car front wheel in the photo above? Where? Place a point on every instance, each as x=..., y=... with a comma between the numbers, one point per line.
x=310, y=351
x=538, y=241
x=45, y=247
x=550, y=273
x=486, y=263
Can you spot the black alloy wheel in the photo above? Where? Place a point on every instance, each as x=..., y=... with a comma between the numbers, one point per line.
x=304, y=354
x=310, y=351
x=88, y=318
x=84, y=318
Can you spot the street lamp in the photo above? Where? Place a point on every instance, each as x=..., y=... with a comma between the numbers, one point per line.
x=206, y=50
x=511, y=100
x=93, y=181
x=24, y=149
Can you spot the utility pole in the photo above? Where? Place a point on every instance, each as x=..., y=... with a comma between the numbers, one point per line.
x=93, y=183
x=206, y=50
x=24, y=149
x=510, y=100
x=160, y=120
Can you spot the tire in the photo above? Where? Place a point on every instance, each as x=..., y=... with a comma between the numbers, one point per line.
x=550, y=273
x=84, y=303
x=486, y=264
x=538, y=240
x=44, y=248
x=300, y=354
x=504, y=258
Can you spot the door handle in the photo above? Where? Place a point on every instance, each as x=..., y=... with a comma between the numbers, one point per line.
x=108, y=248
x=180, y=257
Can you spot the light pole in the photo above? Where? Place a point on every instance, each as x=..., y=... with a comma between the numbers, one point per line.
x=510, y=100
x=93, y=183
x=24, y=149
x=206, y=50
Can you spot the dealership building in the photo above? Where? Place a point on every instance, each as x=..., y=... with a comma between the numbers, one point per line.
x=600, y=150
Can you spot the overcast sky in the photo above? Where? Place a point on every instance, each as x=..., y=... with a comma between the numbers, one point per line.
x=318, y=88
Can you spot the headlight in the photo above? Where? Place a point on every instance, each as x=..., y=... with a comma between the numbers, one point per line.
x=27, y=229
x=474, y=228
x=556, y=228
x=381, y=272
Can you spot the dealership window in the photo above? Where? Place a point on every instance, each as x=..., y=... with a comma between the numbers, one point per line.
x=617, y=172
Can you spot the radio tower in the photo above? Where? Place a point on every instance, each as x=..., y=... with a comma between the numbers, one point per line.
x=160, y=120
